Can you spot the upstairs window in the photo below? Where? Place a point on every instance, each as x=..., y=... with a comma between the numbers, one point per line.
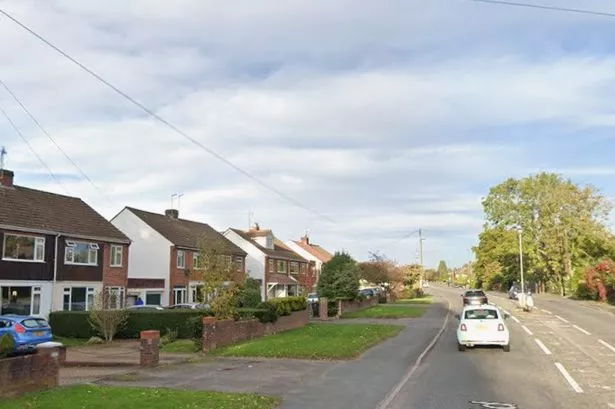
x=281, y=266
x=116, y=256
x=81, y=253
x=23, y=248
x=181, y=259
x=294, y=267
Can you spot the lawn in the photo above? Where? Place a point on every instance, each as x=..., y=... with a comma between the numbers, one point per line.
x=388, y=311
x=70, y=342
x=103, y=397
x=180, y=346
x=419, y=300
x=315, y=341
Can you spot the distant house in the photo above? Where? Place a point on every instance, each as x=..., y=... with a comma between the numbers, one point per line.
x=162, y=269
x=312, y=252
x=57, y=253
x=281, y=271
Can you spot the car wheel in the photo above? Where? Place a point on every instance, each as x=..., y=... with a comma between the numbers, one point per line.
x=507, y=348
x=461, y=347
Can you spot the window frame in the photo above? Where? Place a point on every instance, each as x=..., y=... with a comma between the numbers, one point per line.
x=290, y=267
x=271, y=266
x=114, y=253
x=238, y=260
x=278, y=264
x=180, y=290
x=183, y=258
x=121, y=298
x=89, y=291
x=38, y=241
x=92, y=249
x=196, y=257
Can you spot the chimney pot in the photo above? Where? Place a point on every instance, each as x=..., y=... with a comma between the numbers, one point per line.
x=172, y=213
x=6, y=177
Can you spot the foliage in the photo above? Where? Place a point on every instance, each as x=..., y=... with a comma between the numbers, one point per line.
x=182, y=346
x=430, y=274
x=222, y=282
x=442, y=270
x=264, y=315
x=7, y=345
x=411, y=274
x=315, y=341
x=411, y=293
x=249, y=298
x=169, y=336
x=285, y=306
x=339, y=277
x=105, y=321
x=600, y=280
x=332, y=308
x=563, y=225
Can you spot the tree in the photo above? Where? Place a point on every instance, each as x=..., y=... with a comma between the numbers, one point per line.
x=339, y=277
x=411, y=274
x=105, y=319
x=222, y=282
x=442, y=270
x=557, y=218
x=382, y=272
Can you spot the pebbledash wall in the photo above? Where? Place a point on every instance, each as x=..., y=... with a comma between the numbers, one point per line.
x=219, y=333
x=29, y=373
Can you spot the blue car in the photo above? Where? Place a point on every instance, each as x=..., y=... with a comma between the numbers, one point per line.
x=27, y=331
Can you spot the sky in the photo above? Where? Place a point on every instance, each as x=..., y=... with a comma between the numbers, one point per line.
x=378, y=118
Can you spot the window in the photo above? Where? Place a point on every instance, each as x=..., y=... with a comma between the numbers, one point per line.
x=116, y=256
x=269, y=244
x=271, y=265
x=36, y=300
x=196, y=293
x=281, y=266
x=181, y=259
x=294, y=267
x=179, y=294
x=78, y=298
x=114, y=298
x=24, y=248
x=239, y=263
x=196, y=260
x=153, y=298
x=482, y=314
x=81, y=253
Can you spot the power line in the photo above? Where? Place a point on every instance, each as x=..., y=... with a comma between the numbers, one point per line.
x=23, y=138
x=543, y=7
x=165, y=122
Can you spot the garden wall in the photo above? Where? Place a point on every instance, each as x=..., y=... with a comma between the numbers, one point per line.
x=345, y=306
x=219, y=333
x=29, y=373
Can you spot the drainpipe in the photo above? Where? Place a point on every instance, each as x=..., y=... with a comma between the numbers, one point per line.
x=55, y=273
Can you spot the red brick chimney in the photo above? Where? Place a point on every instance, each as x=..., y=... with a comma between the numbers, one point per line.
x=6, y=177
x=305, y=239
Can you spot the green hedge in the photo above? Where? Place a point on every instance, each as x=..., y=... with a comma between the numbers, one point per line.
x=264, y=315
x=75, y=324
x=285, y=306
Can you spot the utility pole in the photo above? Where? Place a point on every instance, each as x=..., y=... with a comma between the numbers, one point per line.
x=421, y=255
x=521, y=261
x=250, y=214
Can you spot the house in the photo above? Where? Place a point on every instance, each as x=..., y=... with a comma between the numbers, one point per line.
x=163, y=268
x=57, y=252
x=312, y=252
x=281, y=271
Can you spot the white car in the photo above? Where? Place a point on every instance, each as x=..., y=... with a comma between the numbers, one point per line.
x=482, y=325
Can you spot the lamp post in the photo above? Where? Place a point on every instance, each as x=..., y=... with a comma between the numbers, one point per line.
x=520, y=231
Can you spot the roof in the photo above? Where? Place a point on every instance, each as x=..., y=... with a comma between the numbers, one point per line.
x=187, y=233
x=315, y=250
x=39, y=211
x=279, y=250
x=279, y=278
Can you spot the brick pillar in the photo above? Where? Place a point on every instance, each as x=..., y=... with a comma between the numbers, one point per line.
x=150, y=351
x=50, y=365
x=209, y=333
x=324, y=309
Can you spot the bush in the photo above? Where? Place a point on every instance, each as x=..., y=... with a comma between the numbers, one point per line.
x=382, y=298
x=413, y=293
x=264, y=315
x=95, y=341
x=269, y=312
x=583, y=292
x=285, y=306
x=332, y=308
x=339, y=277
x=249, y=298
x=75, y=324
x=7, y=345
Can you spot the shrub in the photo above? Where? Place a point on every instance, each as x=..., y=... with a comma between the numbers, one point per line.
x=95, y=341
x=282, y=306
x=249, y=298
x=269, y=312
x=264, y=315
x=196, y=325
x=339, y=277
x=71, y=324
x=414, y=293
x=7, y=345
x=332, y=308
x=584, y=292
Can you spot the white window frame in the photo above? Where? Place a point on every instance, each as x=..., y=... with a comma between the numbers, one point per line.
x=181, y=291
x=120, y=300
x=271, y=265
x=117, y=251
x=69, y=253
x=195, y=261
x=181, y=253
x=89, y=292
x=154, y=292
x=269, y=242
x=238, y=260
x=294, y=263
x=38, y=253
x=36, y=293
x=277, y=266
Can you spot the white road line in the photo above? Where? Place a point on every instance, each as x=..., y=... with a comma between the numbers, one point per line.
x=569, y=378
x=547, y=311
x=606, y=344
x=581, y=329
x=542, y=346
x=561, y=319
x=515, y=319
x=526, y=329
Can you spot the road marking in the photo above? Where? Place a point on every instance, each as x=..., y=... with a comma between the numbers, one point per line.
x=515, y=319
x=526, y=329
x=547, y=311
x=581, y=329
x=542, y=346
x=561, y=319
x=569, y=378
x=393, y=394
x=606, y=344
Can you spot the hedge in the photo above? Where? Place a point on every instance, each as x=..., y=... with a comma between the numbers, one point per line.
x=285, y=306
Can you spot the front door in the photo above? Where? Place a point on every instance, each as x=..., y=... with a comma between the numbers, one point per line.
x=20, y=300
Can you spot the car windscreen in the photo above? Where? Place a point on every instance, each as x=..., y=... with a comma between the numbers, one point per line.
x=475, y=294
x=34, y=323
x=481, y=314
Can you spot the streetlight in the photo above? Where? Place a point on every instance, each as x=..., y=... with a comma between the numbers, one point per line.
x=520, y=231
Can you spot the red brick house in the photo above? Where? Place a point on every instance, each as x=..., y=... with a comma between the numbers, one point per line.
x=313, y=252
x=57, y=252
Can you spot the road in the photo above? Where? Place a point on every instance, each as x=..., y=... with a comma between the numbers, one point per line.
x=562, y=357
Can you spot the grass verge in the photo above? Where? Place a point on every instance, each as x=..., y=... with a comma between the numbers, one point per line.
x=315, y=341
x=180, y=346
x=387, y=311
x=103, y=397
x=71, y=342
x=428, y=299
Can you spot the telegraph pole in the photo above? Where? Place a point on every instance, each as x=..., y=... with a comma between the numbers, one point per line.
x=421, y=255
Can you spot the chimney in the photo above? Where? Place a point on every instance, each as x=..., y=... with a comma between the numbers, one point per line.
x=305, y=239
x=257, y=226
x=172, y=213
x=6, y=177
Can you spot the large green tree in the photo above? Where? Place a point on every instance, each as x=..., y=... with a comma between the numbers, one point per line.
x=442, y=270
x=339, y=277
x=563, y=226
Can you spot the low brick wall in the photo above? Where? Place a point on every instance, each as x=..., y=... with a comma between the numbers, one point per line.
x=219, y=333
x=29, y=373
x=345, y=306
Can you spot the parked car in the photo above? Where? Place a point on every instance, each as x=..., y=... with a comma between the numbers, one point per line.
x=312, y=298
x=188, y=306
x=482, y=325
x=146, y=307
x=27, y=331
x=367, y=292
x=474, y=297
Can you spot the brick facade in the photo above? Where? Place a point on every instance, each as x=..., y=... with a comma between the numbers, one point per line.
x=115, y=276
x=217, y=333
x=29, y=373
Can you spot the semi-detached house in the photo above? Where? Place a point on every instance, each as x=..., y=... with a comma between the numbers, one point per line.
x=57, y=253
x=163, y=266
x=312, y=252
